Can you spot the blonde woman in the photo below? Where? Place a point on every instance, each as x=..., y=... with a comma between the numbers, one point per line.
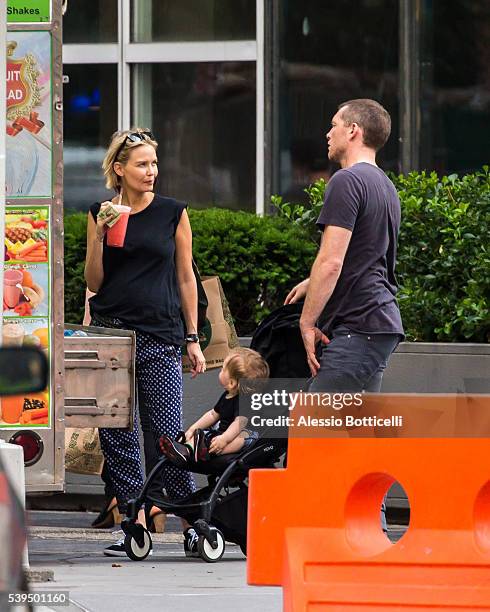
x=146, y=286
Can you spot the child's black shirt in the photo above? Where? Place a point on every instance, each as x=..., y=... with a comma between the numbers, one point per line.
x=227, y=408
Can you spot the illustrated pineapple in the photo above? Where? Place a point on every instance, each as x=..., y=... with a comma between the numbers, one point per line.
x=17, y=233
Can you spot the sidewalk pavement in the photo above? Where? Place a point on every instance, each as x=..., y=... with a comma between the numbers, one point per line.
x=166, y=581
x=63, y=545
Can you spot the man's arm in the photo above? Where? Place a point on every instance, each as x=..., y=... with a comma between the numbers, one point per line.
x=325, y=272
x=298, y=292
x=324, y=275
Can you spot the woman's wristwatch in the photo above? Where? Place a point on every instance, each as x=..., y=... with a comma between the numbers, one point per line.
x=192, y=338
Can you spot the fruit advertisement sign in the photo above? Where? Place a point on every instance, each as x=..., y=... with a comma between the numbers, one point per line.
x=26, y=303
x=29, y=120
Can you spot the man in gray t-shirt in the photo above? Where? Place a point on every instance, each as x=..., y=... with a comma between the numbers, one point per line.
x=352, y=287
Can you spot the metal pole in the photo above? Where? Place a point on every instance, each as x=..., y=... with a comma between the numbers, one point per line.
x=3, y=112
x=272, y=73
x=260, y=125
x=409, y=27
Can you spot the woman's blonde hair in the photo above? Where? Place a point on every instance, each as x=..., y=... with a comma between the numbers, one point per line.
x=119, y=150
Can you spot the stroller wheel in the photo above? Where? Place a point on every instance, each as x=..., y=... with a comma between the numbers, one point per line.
x=135, y=552
x=207, y=552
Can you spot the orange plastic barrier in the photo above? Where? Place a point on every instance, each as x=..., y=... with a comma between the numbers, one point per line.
x=315, y=527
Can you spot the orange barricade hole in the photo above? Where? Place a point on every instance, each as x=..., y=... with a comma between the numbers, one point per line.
x=482, y=518
x=364, y=532
x=398, y=515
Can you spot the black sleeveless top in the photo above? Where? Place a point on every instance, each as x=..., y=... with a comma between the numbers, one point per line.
x=140, y=283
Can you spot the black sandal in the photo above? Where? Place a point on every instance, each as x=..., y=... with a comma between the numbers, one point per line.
x=108, y=516
x=155, y=523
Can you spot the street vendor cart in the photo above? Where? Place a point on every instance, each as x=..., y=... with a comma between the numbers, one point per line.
x=91, y=382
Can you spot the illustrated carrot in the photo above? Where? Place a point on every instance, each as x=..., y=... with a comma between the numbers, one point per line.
x=36, y=253
x=35, y=249
x=39, y=247
x=42, y=421
x=30, y=255
x=33, y=254
x=25, y=250
x=36, y=413
x=31, y=415
x=33, y=259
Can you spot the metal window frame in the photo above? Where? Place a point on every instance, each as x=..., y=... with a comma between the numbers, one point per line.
x=124, y=69
x=125, y=53
x=175, y=52
x=272, y=76
x=94, y=53
x=260, y=140
x=410, y=16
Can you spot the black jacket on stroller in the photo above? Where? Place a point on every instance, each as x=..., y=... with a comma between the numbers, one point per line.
x=278, y=340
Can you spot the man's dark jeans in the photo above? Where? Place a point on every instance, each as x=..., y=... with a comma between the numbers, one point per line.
x=353, y=362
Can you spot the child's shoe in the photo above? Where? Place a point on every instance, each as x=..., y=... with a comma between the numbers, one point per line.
x=180, y=437
x=201, y=452
x=179, y=454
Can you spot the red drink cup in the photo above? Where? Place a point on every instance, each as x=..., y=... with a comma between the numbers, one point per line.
x=11, y=293
x=117, y=233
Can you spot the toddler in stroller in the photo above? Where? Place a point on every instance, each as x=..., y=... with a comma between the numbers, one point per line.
x=200, y=442
x=226, y=454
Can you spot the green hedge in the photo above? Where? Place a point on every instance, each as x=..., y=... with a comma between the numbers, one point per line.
x=258, y=259
x=443, y=264
x=443, y=256
x=75, y=249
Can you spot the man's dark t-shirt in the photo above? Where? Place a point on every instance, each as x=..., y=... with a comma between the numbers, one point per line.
x=227, y=408
x=362, y=199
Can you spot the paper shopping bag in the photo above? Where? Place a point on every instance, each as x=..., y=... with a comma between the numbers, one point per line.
x=218, y=335
x=83, y=454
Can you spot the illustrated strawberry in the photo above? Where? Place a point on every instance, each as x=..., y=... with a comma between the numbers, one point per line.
x=39, y=224
x=23, y=309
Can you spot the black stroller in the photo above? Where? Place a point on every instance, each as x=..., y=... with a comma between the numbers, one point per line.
x=218, y=511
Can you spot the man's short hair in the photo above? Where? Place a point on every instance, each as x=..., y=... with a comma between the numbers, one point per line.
x=374, y=120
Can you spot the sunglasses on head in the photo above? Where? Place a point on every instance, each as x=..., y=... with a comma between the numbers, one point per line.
x=133, y=137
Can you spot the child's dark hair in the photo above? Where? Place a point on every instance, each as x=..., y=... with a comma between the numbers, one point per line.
x=246, y=363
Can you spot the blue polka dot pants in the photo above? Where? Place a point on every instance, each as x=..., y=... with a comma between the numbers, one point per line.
x=159, y=380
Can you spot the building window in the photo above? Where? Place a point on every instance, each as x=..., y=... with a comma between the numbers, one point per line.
x=192, y=20
x=90, y=117
x=203, y=115
x=454, y=86
x=90, y=22
x=328, y=53
x=186, y=69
